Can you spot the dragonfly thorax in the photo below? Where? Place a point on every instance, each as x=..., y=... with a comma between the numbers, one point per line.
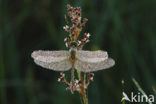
x=72, y=53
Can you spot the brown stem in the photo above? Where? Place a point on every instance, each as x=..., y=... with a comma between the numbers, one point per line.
x=83, y=91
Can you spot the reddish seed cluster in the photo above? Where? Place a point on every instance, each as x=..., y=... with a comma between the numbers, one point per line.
x=67, y=42
x=90, y=77
x=62, y=78
x=76, y=86
x=77, y=83
x=84, y=40
x=84, y=22
x=75, y=15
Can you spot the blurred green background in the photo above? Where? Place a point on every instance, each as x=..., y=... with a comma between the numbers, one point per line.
x=124, y=28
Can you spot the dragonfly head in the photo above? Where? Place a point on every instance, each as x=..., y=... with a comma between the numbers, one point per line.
x=73, y=44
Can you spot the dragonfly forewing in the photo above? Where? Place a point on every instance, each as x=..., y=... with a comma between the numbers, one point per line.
x=54, y=60
x=89, y=61
x=92, y=56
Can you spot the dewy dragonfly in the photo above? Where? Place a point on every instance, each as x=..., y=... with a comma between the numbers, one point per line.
x=81, y=60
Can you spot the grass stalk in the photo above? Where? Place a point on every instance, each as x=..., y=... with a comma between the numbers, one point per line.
x=154, y=89
x=140, y=89
x=122, y=82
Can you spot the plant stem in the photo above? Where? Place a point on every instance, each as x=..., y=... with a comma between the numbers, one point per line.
x=85, y=98
x=79, y=75
x=83, y=90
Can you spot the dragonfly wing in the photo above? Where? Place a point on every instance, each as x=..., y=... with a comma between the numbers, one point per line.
x=54, y=60
x=89, y=61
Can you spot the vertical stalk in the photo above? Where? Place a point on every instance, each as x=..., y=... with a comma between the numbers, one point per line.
x=140, y=89
x=154, y=89
x=82, y=90
x=84, y=96
x=122, y=82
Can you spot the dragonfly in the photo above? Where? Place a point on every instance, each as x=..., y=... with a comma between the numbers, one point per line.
x=81, y=60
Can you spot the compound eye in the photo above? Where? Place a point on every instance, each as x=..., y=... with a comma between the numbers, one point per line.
x=73, y=44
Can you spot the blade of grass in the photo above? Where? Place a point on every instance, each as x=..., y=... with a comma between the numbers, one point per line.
x=140, y=89
x=154, y=89
x=122, y=82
